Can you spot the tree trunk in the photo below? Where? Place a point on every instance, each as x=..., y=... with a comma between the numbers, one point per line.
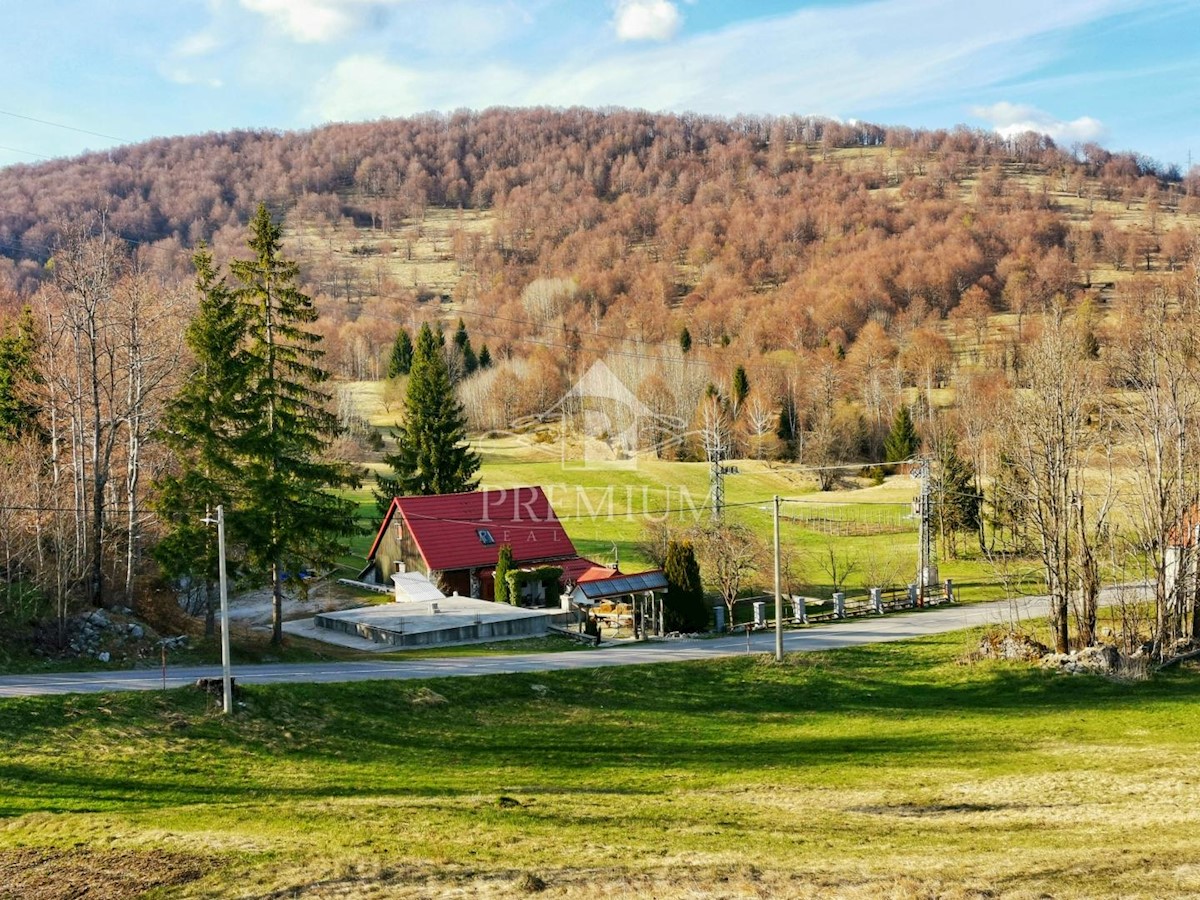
x=277, y=603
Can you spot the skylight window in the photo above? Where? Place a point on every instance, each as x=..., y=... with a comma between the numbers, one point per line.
x=485, y=537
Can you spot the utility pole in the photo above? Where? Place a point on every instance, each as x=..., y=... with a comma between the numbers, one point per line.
x=924, y=515
x=226, y=676
x=778, y=591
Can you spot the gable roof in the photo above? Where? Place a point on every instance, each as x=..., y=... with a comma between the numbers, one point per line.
x=466, y=531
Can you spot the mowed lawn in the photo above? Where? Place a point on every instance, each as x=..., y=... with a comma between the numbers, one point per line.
x=886, y=771
x=605, y=507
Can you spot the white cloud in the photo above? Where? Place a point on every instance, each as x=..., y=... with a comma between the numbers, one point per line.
x=646, y=20
x=826, y=59
x=366, y=87
x=315, y=21
x=181, y=75
x=1011, y=119
x=201, y=43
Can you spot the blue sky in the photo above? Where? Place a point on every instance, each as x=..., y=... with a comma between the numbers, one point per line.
x=1120, y=72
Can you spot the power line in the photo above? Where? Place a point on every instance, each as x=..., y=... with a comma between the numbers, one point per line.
x=25, y=152
x=111, y=137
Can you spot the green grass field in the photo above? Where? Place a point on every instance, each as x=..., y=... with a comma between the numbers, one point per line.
x=885, y=771
x=605, y=506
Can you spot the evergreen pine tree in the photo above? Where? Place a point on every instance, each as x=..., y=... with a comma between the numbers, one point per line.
x=463, y=342
x=739, y=388
x=957, y=504
x=18, y=415
x=400, y=361
x=200, y=425
x=787, y=427
x=684, y=608
x=685, y=339
x=284, y=512
x=500, y=579
x=485, y=357
x=432, y=455
x=902, y=441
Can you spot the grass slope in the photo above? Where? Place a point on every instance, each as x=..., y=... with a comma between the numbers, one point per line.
x=605, y=506
x=885, y=771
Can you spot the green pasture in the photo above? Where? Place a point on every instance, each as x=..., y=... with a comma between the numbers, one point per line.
x=894, y=770
x=605, y=507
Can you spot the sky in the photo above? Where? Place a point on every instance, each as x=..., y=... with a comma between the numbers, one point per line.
x=92, y=74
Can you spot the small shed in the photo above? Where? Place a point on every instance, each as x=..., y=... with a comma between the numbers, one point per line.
x=641, y=596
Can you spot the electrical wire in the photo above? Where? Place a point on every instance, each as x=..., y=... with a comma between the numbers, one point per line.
x=111, y=137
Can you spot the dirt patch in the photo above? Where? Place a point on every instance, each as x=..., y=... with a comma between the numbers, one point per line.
x=253, y=608
x=38, y=874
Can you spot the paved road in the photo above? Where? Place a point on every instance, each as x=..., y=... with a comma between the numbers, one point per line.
x=850, y=633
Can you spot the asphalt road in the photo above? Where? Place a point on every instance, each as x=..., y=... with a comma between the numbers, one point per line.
x=849, y=633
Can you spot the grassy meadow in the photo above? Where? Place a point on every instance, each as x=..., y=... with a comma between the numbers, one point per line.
x=605, y=506
x=887, y=771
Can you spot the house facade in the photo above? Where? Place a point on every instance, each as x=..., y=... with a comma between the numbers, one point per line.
x=455, y=541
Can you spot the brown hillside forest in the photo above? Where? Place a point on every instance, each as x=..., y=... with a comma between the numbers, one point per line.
x=1036, y=308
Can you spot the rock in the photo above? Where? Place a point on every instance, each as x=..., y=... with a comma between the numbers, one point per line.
x=99, y=618
x=136, y=631
x=1101, y=660
x=103, y=656
x=1011, y=645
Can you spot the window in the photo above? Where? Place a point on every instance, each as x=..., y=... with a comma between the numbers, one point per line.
x=485, y=537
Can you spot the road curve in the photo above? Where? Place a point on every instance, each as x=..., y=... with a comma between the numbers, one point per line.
x=849, y=633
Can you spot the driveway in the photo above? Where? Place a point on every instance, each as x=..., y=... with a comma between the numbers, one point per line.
x=849, y=633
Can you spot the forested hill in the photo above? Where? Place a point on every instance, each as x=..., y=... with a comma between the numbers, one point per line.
x=771, y=233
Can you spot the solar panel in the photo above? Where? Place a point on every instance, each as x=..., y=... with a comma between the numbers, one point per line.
x=624, y=584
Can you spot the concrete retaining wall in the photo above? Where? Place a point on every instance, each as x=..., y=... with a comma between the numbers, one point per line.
x=530, y=626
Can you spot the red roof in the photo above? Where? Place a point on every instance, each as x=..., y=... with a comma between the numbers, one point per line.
x=596, y=573
x=575, y=569
x=466, y=531
x=580, y=569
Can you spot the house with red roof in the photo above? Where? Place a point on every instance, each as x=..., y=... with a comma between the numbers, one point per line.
x=455, y=540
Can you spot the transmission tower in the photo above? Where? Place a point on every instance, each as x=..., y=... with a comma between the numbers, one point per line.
x=716, y=447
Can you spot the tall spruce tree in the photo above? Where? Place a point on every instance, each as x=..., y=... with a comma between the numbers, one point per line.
x=685, y=339
x=200, y=428
x=957, y=505
x=902, y=441
x=684, y=608
x=285, y=514
x=463, y=342
x=739, y=388
x=432, y=455
x=18, y=345
x=400, y=362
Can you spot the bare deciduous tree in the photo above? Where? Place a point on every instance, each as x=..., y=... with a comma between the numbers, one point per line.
x=1048, y=439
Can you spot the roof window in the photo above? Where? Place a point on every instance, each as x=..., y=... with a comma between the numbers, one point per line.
x=485, y=537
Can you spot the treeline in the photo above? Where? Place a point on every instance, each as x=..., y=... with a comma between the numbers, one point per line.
x=132, y=408
x=759, y=232
x=747, y=193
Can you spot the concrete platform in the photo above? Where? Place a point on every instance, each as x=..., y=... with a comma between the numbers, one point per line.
x=453, y=620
